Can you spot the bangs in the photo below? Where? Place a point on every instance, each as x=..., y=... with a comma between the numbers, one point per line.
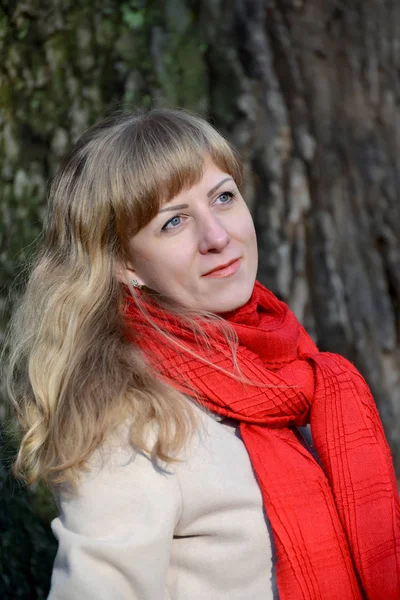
x=163, y=155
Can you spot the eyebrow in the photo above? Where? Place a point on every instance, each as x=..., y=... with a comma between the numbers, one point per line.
x=210, y=193
x=182, y=206
x=176, y=207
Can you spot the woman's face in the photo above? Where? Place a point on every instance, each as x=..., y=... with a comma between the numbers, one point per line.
x=201, y=249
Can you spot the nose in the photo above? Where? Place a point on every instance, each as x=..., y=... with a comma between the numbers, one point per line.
x=213, y=235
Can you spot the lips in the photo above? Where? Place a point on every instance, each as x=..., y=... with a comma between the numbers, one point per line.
x=224, y=270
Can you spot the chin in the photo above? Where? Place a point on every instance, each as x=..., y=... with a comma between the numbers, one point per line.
x=232, y=302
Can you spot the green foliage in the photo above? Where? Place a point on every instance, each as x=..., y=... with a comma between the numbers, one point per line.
x=133, y=15
x=183, y=74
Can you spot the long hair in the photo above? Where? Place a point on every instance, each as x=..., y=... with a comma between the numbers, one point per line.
x=73, y=376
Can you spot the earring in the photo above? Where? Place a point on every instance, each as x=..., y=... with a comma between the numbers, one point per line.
x=136, y=284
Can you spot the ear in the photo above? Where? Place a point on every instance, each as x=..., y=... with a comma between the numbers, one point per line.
x=125, y=273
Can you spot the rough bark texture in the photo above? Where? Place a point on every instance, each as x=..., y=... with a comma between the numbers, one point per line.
x=308, y=90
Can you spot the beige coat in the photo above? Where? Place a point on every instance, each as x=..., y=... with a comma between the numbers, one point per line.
x=194, y=531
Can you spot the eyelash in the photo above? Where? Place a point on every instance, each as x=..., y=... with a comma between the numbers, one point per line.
x=229, y=193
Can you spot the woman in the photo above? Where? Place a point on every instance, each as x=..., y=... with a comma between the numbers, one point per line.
x=160, y=389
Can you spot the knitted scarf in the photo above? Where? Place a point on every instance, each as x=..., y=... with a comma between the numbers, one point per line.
x=336, y=528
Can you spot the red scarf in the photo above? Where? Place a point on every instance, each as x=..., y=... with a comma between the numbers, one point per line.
x=336, y=529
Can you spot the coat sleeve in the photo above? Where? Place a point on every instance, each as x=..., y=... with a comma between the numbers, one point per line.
x=115, y=533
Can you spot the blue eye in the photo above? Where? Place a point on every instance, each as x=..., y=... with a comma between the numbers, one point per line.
x=174, y=222
x=225, y=197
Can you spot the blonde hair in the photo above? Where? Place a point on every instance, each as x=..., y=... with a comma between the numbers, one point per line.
x=72, y=374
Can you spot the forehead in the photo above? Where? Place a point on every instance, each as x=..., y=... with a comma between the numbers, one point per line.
x=211, y=176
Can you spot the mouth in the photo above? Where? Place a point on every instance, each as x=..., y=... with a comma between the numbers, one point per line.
x=225, y=270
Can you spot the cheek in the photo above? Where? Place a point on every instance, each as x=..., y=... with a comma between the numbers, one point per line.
x=245, y=228
x=171, y=267
x=249, y=238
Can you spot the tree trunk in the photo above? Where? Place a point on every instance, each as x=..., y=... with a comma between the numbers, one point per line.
x=308, y=91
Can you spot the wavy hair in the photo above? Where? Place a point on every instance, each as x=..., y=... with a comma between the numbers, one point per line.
x=72, y=374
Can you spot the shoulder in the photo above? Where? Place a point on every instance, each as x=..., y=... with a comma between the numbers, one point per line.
x=117, y=484
x=120, y=483
x=115, y=529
